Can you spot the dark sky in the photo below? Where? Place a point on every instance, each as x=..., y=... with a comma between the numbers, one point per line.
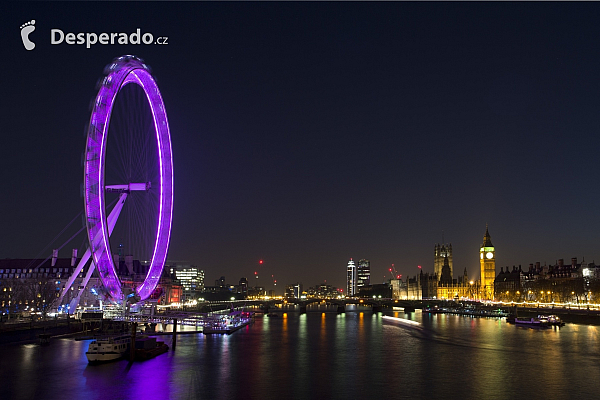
x=308, y=133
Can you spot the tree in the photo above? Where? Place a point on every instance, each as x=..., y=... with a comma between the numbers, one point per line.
x=40, y=293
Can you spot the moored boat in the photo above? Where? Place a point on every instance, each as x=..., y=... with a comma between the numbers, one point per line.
x=531, y=322
x=107, y=349
x=553, y=320
x=146, y=348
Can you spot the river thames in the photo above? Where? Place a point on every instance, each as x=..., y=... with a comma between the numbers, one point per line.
x=326, y=356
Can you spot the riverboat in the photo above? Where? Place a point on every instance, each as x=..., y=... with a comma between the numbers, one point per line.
x=553, y=320
x=434, y=310
x=107, y=349
x=467, y=311
x=226, y=324
x=531, y=322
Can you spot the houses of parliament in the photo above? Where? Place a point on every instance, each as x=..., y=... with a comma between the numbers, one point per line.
x=441, y=284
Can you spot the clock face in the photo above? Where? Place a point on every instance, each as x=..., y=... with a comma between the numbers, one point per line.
x=489, y=255
x=481, y=255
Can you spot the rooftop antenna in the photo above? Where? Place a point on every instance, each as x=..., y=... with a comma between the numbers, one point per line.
x=443, y=237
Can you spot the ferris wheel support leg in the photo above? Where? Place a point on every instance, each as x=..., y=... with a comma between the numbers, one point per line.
x=112, y=220
x=75, y=301
x=74, y=275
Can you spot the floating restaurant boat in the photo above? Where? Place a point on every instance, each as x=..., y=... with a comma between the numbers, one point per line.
x=553, y=320
x=531, y=322
x=226, y=324
x=467, y=311
x=107, y=349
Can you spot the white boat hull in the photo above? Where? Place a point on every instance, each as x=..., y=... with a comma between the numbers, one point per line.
x=103, y=357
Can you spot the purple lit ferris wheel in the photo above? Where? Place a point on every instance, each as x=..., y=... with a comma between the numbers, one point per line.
x=129, y=106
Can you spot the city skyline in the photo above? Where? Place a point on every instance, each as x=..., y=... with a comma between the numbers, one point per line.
x=308, y=134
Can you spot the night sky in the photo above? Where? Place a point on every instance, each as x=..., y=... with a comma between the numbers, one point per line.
x=307, y=133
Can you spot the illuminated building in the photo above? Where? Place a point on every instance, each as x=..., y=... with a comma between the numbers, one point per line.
x=363, y=274
x=442, y=254
x=190, y=277
x=561, y=282
x=28, y=284
x=351, y=279
x=323, y=291
x=293, y=291
x=440, y=284
x=243, y=286
x=450, y=288
x=487, y=260
x=508, y=283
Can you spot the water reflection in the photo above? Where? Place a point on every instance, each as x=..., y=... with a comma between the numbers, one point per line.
x=326, y=355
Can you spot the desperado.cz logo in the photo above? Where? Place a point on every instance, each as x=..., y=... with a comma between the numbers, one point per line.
x=57, y=36
x=89, y=39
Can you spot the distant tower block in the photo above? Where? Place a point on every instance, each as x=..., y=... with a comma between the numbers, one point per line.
x=363, y=275
x=441, y=251
x=351, y=279
x=487, y=259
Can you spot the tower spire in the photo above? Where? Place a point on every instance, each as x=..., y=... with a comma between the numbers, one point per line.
x=487, y=240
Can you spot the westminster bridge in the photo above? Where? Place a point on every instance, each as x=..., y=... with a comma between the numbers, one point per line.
x=304, y=305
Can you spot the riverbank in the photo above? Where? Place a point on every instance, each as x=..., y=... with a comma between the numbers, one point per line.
x=28, y=332
x=567, y=315
x=579, y=315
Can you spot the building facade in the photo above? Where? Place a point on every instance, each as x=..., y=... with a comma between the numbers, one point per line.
x=442, y=254
x=561, y=282
x=363, y=274
x=190, y=277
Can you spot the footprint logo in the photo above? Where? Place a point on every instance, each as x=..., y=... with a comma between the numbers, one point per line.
x=26, y=29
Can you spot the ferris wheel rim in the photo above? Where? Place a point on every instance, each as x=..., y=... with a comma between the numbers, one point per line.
x=121, y=72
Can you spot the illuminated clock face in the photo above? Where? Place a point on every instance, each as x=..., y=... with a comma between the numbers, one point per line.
x=481, y=255
x=489, y=255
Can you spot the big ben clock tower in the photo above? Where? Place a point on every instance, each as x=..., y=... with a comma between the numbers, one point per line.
x=487, y=259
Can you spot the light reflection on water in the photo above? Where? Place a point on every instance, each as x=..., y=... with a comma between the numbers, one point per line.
x=326, y=355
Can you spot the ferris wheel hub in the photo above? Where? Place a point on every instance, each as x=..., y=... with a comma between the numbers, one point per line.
x=144, y=186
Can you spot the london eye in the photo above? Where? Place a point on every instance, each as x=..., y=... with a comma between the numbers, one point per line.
x=128, y=161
